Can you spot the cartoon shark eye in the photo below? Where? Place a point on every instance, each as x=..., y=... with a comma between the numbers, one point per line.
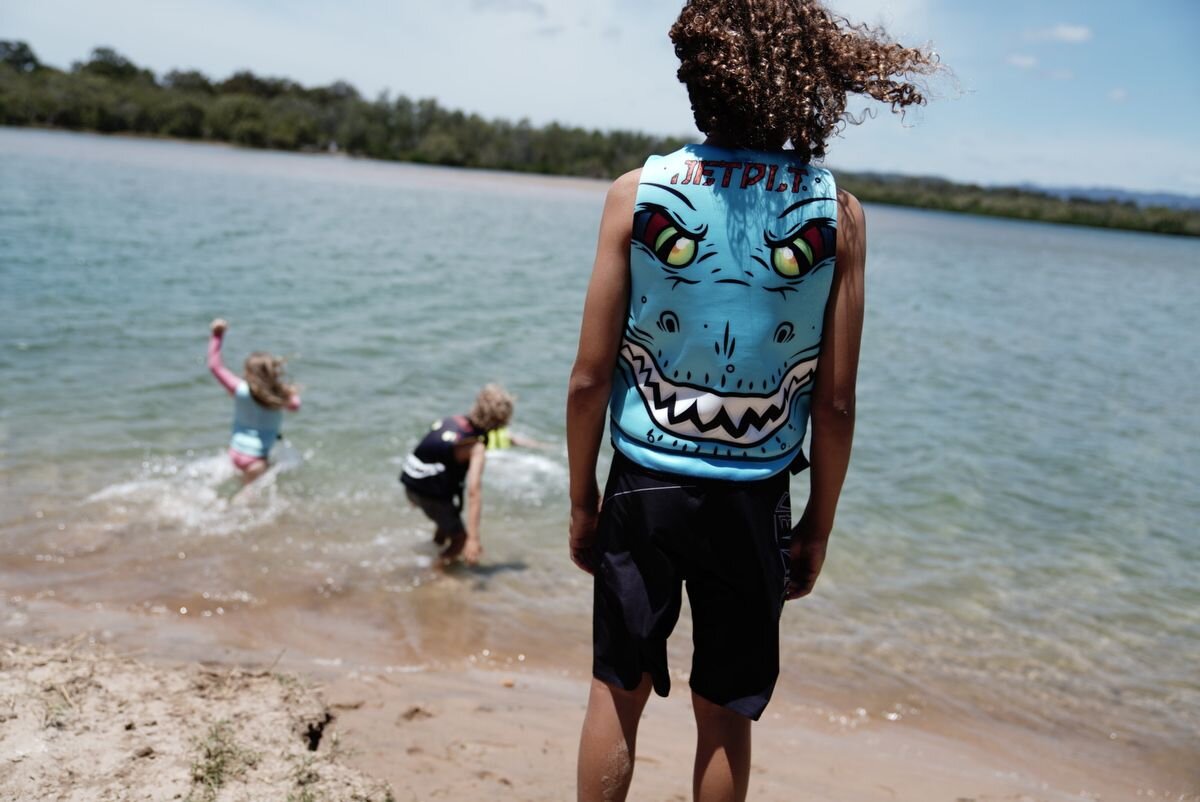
x=784, y=332
x=668, y=322
x=796, y=255
x=792, y=259
x=673, y=246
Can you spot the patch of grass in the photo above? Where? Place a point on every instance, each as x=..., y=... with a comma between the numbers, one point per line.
x=304, y=794
x=289, y=681
x=305, y=777
x=56, y=715
x=220, y=759
x=388, y=796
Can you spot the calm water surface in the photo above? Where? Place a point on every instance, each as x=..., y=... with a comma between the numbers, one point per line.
x=1017, y=542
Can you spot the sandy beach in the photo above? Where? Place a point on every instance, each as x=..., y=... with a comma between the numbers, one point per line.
x=80, y=721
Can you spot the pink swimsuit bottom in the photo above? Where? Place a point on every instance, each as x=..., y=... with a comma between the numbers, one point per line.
x=243, y=461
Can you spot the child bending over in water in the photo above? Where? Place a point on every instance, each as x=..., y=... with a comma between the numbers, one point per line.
x=722, y=321
x=258, y=403
x=450, y=458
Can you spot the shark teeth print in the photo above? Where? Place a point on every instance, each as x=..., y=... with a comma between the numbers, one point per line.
x=697, y=413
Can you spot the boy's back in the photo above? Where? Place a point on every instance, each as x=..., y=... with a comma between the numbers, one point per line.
x=731, y=261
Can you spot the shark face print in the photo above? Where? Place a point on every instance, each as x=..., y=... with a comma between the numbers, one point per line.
x=727, y=300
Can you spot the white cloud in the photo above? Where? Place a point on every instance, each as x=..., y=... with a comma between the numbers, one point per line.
x=1118, y=94
x=901, y=18
x=1024, y=61
x=510, y=6
x=1070, y=34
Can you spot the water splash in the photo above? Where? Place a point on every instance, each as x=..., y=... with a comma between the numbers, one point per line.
x=527, y=477
x=202, y=495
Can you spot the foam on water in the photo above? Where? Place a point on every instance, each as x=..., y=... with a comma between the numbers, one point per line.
x=199, y=495
x=527, y=476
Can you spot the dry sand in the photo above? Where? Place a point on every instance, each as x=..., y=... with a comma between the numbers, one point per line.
x=82, y=725
x=78, y=722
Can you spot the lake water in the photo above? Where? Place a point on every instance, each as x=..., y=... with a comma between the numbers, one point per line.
x=1016, y=550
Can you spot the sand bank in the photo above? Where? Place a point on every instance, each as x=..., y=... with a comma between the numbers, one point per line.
x=80, y=722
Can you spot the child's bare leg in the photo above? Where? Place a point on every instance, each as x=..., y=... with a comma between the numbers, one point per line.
x=722, y=771
x=606, y=747
x=253, y=471
x=457, y=541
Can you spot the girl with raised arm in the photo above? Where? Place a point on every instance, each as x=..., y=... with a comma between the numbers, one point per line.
x=259, y=397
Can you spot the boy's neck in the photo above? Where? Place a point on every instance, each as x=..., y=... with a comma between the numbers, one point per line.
x=720, y=141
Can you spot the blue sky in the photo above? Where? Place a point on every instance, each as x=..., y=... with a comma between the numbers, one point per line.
x=1058, y=92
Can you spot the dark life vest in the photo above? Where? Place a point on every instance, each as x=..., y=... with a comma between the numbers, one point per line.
x=432, y=469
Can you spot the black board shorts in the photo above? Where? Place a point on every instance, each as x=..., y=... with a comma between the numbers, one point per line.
x=727, y=542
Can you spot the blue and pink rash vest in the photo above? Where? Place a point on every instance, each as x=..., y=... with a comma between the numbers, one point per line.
x=255, y=428
x=731, y=264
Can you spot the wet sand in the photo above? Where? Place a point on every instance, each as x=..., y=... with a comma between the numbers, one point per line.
x=490, y=726
x=80, y=722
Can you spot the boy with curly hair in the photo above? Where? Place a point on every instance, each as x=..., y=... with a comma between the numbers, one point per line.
x=722, y=322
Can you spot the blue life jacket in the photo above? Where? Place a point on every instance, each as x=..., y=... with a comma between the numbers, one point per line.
x=255, y=428
x=731, y=263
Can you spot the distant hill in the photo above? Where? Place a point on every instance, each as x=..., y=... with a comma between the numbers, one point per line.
x=1167, y=200
x=1024, y=203
x=1143, y=200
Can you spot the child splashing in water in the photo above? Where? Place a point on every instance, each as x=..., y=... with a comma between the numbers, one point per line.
x=258, y=403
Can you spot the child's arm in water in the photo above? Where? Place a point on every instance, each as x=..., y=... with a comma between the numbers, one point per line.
x=472, y=548
x=521, y=441
x=224, y=375
x=832, y=411
x=604, y=313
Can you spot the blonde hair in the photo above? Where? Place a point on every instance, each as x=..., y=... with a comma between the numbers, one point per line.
x=493, y=407
x=264, y=376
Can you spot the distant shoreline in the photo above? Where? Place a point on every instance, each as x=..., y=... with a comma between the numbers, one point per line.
x=847, y=180
x=109, y=94
x=533, y=179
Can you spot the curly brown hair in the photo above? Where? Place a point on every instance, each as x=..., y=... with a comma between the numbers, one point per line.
x=762, y=72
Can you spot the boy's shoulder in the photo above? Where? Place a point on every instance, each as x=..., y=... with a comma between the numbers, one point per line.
x=622, y=193
x=627, y=183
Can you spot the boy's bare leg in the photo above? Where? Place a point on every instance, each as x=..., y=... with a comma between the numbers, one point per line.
x=722, y=753
x=606, y=747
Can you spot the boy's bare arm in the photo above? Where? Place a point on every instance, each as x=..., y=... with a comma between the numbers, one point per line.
x=832, y=415
x=473, y=548
x=604, y=315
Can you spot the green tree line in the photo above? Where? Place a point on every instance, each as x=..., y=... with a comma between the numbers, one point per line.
x=1022, y=204
x=109, y=93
